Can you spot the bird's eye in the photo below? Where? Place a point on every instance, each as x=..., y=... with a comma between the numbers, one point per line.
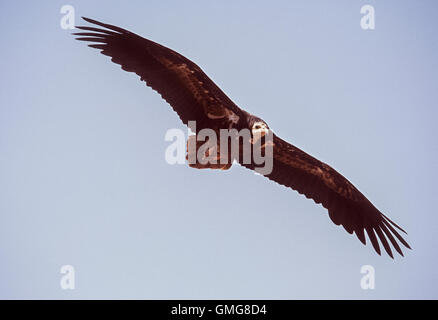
x=257, y=127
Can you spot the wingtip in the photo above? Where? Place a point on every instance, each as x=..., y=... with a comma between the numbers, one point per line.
x=97, y=46
x=394, y=224
x=104, y=25
x=361, y=236
x=89, y=20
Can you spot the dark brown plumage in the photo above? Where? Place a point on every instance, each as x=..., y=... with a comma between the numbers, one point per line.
x=195, y=97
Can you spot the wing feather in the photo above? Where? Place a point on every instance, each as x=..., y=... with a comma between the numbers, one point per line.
x=190, y=92
x=346, y=205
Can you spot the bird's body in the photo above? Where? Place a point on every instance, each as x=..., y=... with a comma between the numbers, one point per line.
x=195, y=97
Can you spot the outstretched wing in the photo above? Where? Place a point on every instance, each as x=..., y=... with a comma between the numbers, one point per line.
x=346, y=205
x=189, y=91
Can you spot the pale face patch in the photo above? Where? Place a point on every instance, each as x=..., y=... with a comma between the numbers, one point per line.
x=259, y=128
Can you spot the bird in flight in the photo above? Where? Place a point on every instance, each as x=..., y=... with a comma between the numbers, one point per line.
x=195, y=97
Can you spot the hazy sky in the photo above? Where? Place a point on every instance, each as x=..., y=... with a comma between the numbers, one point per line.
x=84, y=182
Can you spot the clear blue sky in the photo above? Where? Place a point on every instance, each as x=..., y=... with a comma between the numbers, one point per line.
x=83, y=180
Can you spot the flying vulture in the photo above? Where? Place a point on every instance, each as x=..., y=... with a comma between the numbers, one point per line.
x=195, y=97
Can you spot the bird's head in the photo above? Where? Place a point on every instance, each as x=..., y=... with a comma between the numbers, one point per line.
x=258, y=126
